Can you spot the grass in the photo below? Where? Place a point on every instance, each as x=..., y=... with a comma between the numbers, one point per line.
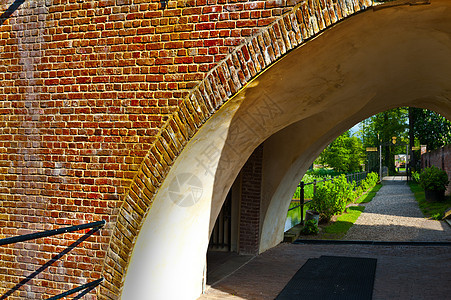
x=365, y=198
x=433, y=210
x=337, y=229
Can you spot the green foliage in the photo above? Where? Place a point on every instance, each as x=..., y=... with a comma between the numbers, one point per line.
x=331, y=198
x=370, y=181
x=311, y=176
x=434, y=179
x=310, y=227
x=358, y=191
x=416, y=176
x=345, y=221
x=380, y=128
x=339, y=228
x=344, y=154
x=324, y=201
x=430, y=128
x=322, y=173
x=369, y=196
x=434, y=210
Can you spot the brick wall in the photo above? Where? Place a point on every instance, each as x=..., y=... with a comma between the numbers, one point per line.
x=251, y=187
x=441, y=158
x=97, y=98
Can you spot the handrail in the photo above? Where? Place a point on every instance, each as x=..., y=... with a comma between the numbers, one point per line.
x=32, y=236
x=91, y=284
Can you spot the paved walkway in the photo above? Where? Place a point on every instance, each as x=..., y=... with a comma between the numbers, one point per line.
x=394, y=215
x=403, y=272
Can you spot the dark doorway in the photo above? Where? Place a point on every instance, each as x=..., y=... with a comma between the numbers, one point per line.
x=221, y=236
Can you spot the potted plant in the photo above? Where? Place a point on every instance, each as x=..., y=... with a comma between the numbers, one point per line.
x=310, y=227
x=434, y=182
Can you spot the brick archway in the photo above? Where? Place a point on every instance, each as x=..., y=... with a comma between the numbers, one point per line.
x=302, y=23
x=209, y=102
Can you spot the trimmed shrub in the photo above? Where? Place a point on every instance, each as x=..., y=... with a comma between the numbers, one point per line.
x=324, y=201
x=331, y=198
x=370, y=181
x=434, y=179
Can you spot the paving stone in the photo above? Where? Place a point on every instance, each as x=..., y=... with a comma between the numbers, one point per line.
x=394, y=215
x=402, y=272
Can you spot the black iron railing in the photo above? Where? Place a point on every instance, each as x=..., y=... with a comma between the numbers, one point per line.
x=85, y=288
x=37, y=235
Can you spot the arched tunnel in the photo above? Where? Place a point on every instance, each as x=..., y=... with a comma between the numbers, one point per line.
x=369, y=63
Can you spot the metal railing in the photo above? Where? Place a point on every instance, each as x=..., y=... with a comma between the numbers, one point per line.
x=353, y=177
x=85, y=288
x=37, y=235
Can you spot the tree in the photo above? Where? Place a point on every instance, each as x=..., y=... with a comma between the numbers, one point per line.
x=344, y=154
x=430, y=128
x=381, y=128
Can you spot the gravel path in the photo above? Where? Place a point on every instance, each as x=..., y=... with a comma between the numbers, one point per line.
x=394, y=215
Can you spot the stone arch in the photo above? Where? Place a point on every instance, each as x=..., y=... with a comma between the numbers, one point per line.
x=185, y=125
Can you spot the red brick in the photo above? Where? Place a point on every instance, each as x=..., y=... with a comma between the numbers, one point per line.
x=86, y=90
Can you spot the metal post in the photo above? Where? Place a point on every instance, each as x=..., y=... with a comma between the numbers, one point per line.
x=407, y=162
x=380, y=162
x=302, y=201
x=314, y=187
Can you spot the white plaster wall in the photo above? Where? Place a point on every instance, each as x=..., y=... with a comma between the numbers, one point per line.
x=170, y=254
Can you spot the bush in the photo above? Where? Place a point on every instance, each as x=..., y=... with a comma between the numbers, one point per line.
x=311, y=227
x=434, y=179
x=308, y=178
x=331, y=198
x=358, y=192
x=370, y=181
x=324, y=201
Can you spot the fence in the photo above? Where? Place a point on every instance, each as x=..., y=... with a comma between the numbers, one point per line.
x=353, y=177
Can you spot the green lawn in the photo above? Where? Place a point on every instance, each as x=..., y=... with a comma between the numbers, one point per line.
x=365, y=198
x=338, y=229
x=433, y=210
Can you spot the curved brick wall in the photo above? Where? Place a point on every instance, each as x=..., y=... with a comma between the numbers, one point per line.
x=97, y=99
